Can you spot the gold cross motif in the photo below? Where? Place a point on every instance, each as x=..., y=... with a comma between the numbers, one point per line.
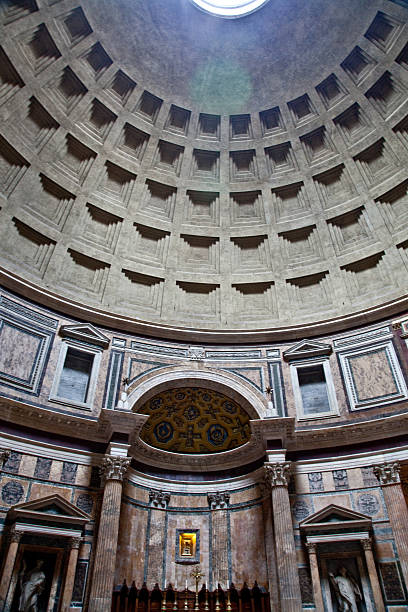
x=196, y=574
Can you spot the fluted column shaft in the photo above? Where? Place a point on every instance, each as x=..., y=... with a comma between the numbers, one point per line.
x=314, y=571
x=100, y=599
x=277, y=475
x=388, y=475
x=70, y=575
x=8, y=567
x=372, y=573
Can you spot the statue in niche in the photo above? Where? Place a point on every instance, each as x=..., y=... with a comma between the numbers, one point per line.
x=347, y=591
x=187, y=548
x=31, y=586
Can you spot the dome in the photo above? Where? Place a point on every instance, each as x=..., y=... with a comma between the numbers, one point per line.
x=217, y=175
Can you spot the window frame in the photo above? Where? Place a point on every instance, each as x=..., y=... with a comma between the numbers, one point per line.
x=331, y=391
x=96, y=352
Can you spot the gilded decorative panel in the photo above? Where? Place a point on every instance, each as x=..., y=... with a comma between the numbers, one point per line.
x=194, y=420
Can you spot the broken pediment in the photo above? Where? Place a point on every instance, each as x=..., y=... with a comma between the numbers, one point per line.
x=86, y=333
x=307, y=348
x=52, y=509
x=332, y=518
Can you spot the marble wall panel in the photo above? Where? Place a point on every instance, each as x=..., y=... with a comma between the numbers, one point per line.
x=248, y=555
x=83, y=475
x=56, y=471
x=246, y=495
x=43, y=490
x=130, y=558
x=135, y=493
x=321, y=501
x=156, y=545
x=372, y=375
x=188, y=501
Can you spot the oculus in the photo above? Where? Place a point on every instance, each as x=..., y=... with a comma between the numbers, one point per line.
x=194, y=420
x=229, y=8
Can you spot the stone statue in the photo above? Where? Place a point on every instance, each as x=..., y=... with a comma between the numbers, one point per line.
x=347, y=590
x=31, y=586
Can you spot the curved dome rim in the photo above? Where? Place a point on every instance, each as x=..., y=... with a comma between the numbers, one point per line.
x=127, y=324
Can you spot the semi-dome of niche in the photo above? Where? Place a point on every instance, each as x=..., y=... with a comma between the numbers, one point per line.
x=194, y=420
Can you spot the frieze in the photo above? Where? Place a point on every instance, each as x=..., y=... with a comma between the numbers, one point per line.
x=340, y=479
x=12, y=463
x=233, y=355
x=158, y=349
x=367, y=337
x=369, y=478
x=316, y=482
x=43, y=468
x=69, y=471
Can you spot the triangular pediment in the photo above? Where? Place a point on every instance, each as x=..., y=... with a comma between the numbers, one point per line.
x=307, y=348
x=52, y=508
x=333, y=517
x=85, y=332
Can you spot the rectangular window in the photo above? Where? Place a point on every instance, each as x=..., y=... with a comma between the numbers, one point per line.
x=313, y=389
x=75, y=376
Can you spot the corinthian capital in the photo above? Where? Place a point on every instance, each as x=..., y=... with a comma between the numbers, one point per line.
x=277, y=474
x=114, y=468
x=388, y=473
x=4, y=455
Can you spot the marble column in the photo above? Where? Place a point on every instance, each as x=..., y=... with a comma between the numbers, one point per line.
x=314, y=571
x=389, y=476
x=7, y=573
x=277, y=475
x=372, y=574
x=113, y=470
x=70, y=574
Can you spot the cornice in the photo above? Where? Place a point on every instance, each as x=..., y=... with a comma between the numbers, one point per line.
x=100, y=430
